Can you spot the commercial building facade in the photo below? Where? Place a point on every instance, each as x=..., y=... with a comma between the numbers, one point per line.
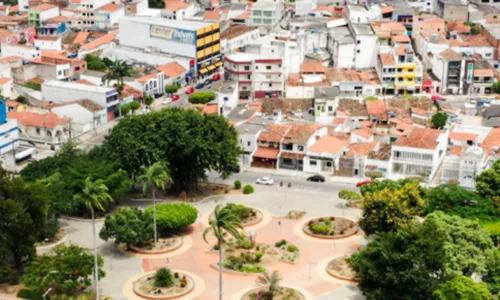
x=196, y=40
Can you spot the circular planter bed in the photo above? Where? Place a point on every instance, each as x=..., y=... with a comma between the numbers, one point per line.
x=254, y=217
x=164, y=245
x=330, y=228
x=285, y=293
x=289, y=252
x=340, y=269
x=144, y=287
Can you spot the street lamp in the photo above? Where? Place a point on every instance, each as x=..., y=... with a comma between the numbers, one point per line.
x=44, y=296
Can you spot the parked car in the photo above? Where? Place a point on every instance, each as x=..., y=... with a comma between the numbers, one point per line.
x=364, y=182
x=316, y=178
x=208, y=82
x=175, y=97
x=216, y=77
x=200, y=85
x=189, y=90
x=166, y=101
x=265, y=180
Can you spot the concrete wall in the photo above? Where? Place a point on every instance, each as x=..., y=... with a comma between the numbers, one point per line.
x=453, y=12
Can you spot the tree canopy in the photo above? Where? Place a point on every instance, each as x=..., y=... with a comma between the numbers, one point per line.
x=410, y=263
x=439, y=120
x=131, y=226
x=488, y=182
x=189, y=142
x=67, y=270
x=462, y=288
x=378, y=185
x=201, y=97
x=173, y=216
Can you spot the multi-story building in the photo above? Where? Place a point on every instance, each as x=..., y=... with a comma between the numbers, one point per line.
x=237, y=37
x=421, y=5
x=266, y=13
x=39, y=14
x=295, y=144
x=9, y=131
x=198, y=41
x=108, y=15
x=61, y=92
x=419, y=154
x=452, y=10
x=26, y=52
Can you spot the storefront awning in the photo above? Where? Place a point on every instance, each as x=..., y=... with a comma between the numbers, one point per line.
x=266, y=152
x=211, y=67
x=218, y=64
x=203, y=71
x=289, y=155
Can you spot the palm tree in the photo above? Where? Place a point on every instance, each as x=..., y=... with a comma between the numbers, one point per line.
x=117, y=71
x=94, y=194
x=271, y=282
x=155, y=176
x=224, y=220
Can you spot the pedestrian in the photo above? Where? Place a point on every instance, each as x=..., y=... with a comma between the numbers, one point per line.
x=281, y=183
x=289, y=184
x=279, y=223
x=168, y=261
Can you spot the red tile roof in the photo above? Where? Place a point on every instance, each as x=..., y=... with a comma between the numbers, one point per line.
x=387, y=59
x=4, y=80
x=211, y=109
x=312, y=67
x=300, y=133
x=492, y=140
x=266, y=152
x=81, y=38
x=364, y=132
x=273, y=133
x=456, y=150
x=172, y=70
x=424, y=138
x=47, y=120
x=43, y=7
x=110, y=7
x=361, y=148
x=463, y=136
x=145, y=78
x=106, y=39
x=376, y=109
x=329, y=144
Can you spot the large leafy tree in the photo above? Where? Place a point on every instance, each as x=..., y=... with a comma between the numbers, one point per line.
x=23, y=213
x=488, y=182
x=379, y=185
x=224, y=222
x=67, y=270
x=189, y=142
x=388, y=210
x=156, y=177
x=173, y=216
x=492, y=276
x=131, y=226
x=462, y=288
x=439, y=120
x=94, y=194
x=410, y=263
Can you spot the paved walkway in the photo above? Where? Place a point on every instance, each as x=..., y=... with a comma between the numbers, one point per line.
x=301, y=174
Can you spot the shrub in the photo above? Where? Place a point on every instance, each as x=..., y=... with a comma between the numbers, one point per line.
x=244, y=244
x=280, y=243
x=240, y=210
x=373, y=174
x=33, y=85
x=201, y=97
x=349, y=195
x=173, y=216
x=258, y=256
x=163, y=278
x=320, y=228
x=248, y=189
x=253, y=269
x=292, y=248
x=29, y=294
x=237, y=185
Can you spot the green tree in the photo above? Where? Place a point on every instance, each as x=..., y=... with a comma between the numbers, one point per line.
x=201, y=97
x=439, y=120
x=95, y=63
x=190, y=143
x=148, y=100
x=156, y=176
x=94, y=194
x=23, y=210
x=171, y=89
x=117, y=71
x=173, y=216
x=270, y=282
x=488, y=182
x=496, y=87
x=130, y=226
x=21, y=99
x=33, y=85
x=163, y=278
x=388, y=210
x=410, y=263
x=156, y=4
x=224, y=221
x=67, y=270
x=134, y=105
x=378, y=185
x=492, y=275
x=462, y=288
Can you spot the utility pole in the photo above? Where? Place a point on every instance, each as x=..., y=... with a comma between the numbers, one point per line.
x=14, y=154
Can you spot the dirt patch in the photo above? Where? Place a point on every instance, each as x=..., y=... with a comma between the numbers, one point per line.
x=204, y=190
x=295, y=215
x=353, y=107
x=285, y=293
x=286, y=105
x=340, y=269
x=401, y=107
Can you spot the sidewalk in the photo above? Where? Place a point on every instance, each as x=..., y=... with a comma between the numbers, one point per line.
x=300, y=174
x=104, y=129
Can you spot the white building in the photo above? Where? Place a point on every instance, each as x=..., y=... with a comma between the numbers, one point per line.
x=363, y=14
x=421, y=5
x=48, y=43
x=237, y=37
x=26, y=52
x=419, y=154
x=227, y=97
x=366, y=45
x=151, y=84
x=266, y=13
x=324, y=154
x=84, y=115
x=61, y=92
x=108, y=16
x=462, y=164
x=295, y=144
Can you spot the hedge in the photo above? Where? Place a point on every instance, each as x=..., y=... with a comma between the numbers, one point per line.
x=349, y=195
x=201, y=97
x=173, y=216
x=237, y=185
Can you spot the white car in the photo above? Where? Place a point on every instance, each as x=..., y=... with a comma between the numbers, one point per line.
x=265, y=180
x=166, y=101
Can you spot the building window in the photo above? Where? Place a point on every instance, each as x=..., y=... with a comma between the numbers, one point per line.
x=312, y=162
x=247, y=68
x=400, y=70
x=268, y=67
x=270, y=85
x=359, y=42
x=410, y=70
x=248, y=144
x=38, y=131
x=330, y=108
x=358, y=51
x=248, y=76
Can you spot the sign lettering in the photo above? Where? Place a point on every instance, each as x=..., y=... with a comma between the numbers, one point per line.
x=173, y=34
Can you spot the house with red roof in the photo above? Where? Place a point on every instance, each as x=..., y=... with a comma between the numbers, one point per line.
x=42, y=128
x=268, y=145
x=295, y=144
x=419, y=154
x=324, y=153
x=107, y=16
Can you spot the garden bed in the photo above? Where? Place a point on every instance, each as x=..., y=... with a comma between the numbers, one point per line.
x=340, y=269
x=252, y=217
x=164, y=245
x=182, y=285
x=58, y=238
x=285, y=293
x=330, y=228
x=289, y=252
x=295, y=215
